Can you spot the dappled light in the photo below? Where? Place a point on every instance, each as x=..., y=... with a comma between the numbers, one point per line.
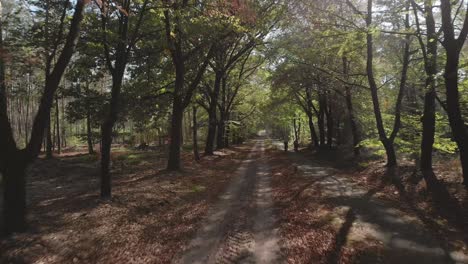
x=234, y=131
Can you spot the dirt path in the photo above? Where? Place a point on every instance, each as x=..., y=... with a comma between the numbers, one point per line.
x=241, y=227
x=401, y=237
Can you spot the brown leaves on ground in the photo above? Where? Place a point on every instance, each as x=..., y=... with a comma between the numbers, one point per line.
x=311, y=228
x=306, y=230
x=443, y=209
x=152, y=215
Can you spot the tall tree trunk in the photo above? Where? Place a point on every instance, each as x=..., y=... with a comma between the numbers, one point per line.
x=330, y=124
x=227, y=131
x=28, y=103
x=464, y=163
x=106, y=133
x=428, y=118
x=391, y=154
x=57, y=118
x=321, y=119
x=389, y=148
x=181, y=97
x=14, y=195
x=221, y=131
x=222, y=115
x=457, y=124
x=351, y=116
x=13, y=162
x=309, y=109
x=176, y=134
x=124, y=46
x=453, y=47
x=195, y=134
x=313, y=134
x=173, y=162
x=64, y=134
x=429, y=51
x=339, y=134
x=212, y=116
x=107, y=137
x=89, y=134
x=106, y=142
x=49, y=143
x=428, y=126
x=296, y=135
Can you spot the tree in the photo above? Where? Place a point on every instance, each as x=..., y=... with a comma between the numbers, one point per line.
x=226, y=55
x=125, y=39
x=13, y=161
x=387, y=141
x=236, y=78
x=453, y=46
x=190, y=57
x=349, y=105
x=429, y=52
x=88, y=105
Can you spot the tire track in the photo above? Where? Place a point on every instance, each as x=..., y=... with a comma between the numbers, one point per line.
x=241, y=226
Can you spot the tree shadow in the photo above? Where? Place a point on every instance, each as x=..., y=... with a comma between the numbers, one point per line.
x=341, y=238
x=445, y=205
x=407, y=242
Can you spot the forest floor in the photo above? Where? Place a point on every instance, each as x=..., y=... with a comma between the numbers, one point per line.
x=247, y=204
x=151, y=217
x=344, y=215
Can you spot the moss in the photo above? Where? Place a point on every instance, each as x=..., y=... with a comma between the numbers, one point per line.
x=198, y=188
x=88, y=158
x=135, y=158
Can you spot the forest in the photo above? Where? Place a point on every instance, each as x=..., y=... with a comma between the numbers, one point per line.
x=234, y=131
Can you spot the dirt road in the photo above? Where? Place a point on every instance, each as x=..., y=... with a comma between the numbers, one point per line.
x=241, y=227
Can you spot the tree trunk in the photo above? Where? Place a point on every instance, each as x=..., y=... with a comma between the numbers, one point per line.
x=296, y=128
x=89, y=134
x=176, y=135
x=49, y=143
x=453, y=46
x=212, y=123
x=464, y=163
x=428, y=132
x=28, y=103
x=330, y=125
x=221, y=132
x=351, y=116
x=339, y=132
x=64, y=134
x=14, y=196
x=309, y=105
x=313, y=134
x=389, y=149
x=195, y=134
x=57, y=117
x=321, y=119
x=459, y=130
x=106, y=142
x=227, y=132
x=223, y=115
x=106, y=133
x=391, y=154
